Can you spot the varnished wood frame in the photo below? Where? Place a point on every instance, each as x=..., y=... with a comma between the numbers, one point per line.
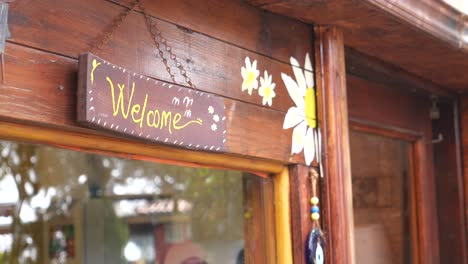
x=423, y=211
x=336, y=193
x=278, y=214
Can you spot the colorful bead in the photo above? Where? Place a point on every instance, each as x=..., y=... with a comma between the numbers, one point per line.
x=314, y=200
x=314, y=209
x=315, y=216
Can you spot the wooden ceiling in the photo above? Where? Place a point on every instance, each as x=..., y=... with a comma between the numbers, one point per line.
x=372, y=31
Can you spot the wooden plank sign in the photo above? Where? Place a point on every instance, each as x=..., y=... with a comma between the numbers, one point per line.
x=115, y=99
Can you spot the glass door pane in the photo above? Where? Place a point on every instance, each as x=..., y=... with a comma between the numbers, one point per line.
x=381, y=199
x=63, y=206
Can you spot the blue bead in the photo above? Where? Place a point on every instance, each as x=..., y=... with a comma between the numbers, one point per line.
x=314, y=209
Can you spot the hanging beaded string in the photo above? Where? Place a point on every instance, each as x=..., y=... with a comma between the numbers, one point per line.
x=316, y=240
x=314, y=209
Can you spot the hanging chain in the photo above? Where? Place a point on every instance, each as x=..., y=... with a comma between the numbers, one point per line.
x=156, y=36
x=115, y=25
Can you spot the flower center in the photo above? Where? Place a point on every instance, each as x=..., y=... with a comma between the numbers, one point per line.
x=310, y=109
x=250, y=77
x=267, y=92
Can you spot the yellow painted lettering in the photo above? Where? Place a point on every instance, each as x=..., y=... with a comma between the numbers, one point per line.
x=156, y=113
x=166, y=118
x=139, y=120
x=148, y=119
x=120, y=100
x=197, y=122
x=176, y=120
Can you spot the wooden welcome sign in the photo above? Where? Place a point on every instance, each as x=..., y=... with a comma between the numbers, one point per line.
x=114, y=99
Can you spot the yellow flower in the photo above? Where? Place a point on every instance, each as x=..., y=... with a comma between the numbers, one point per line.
x=250, y=74
x=267, y=89
x=303, y=116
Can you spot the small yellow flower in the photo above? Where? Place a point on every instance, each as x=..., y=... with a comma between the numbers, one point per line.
x=267, y=89
x=250, y=74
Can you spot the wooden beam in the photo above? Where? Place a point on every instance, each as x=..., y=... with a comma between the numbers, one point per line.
x=213, y=65
x=300, y=193
x=449, y=187
x=104, y=144
x=259, y=220
x=445, y=23
x=283, y=220
x=378, y=71
x=236, y=22
x=331, y=87
x=48, y=97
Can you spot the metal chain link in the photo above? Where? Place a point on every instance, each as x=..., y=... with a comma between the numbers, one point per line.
x=156, y=36
x=115, y=25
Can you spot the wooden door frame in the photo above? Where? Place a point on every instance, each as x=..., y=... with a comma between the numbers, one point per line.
x=424, y=227
x=100, y=143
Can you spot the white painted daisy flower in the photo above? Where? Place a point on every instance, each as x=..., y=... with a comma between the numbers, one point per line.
x=250, y=74
x=303, y=116
x=216, y=118
x=267, y=89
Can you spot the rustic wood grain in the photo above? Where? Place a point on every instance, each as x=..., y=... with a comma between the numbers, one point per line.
x=71, y=27
x=238, y=23
x=379, y=109
x=300, y=193
x=86, y=140
x=48, y=96
x=449, y=187
x=385, y=105
x=331, y=84
x=258, y=220
x=369, y=30
x=372, y=69
x=283, y=218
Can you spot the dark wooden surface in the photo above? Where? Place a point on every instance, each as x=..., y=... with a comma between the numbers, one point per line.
x=71, y=27
x=368, y=29
x=259, y=226
x=238, y=23
x=114, y=99
x=382, y=104
x=331, y=85
x=449, y=186
x=48, y=96
x=300, y=193
x=372, y=69
x=376, y=107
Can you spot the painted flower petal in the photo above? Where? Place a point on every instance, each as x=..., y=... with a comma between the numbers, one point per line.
x=293, y=90
x=261, y=91
x=309, y=72
x=299, y=74
x=298, y=138
x=270, y=101
x=248, y=65
x=293, y=117
x=254, y=65
x=309, y=146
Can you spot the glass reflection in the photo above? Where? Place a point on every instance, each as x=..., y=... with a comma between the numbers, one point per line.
x=60, y=206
